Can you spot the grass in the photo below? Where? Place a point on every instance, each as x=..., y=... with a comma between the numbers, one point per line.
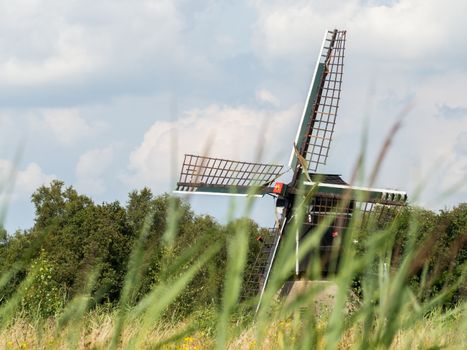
x=386, y=315
x=435, y=330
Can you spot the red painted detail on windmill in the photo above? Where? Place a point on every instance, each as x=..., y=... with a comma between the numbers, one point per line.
x=278, y=186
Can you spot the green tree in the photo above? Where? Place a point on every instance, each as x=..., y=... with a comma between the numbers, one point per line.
x=106, y=247
x=3, y=236
x=15, y=260
x=82, y=237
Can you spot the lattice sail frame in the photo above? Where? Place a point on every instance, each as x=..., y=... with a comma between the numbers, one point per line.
x=216, y=175
x=363, y=215
x=316, y=128
x=371, y=212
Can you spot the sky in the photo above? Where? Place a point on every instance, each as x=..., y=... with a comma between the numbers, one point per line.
x=108, y=96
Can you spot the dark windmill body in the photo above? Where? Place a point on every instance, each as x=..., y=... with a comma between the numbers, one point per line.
x=331, y=195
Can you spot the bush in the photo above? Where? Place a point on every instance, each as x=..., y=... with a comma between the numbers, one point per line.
x=42, y=296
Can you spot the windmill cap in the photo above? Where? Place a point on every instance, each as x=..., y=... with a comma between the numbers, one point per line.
x=334, y=179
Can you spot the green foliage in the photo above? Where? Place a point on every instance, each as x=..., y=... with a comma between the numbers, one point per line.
x=14, y=262
x=3, y=236
x=42, y=296
x=440, y=250
x=75, y=237
x=153, y=261
x=438, y=244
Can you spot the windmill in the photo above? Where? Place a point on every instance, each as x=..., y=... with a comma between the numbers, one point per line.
x=332, y=196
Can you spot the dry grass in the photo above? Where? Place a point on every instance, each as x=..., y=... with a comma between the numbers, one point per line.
x=95, y=332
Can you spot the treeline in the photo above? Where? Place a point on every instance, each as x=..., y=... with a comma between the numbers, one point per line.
x=439, y=250
x=74, y=238
x=76, y=245
x=436, y=244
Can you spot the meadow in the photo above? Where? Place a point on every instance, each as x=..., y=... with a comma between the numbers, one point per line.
x=152, y=274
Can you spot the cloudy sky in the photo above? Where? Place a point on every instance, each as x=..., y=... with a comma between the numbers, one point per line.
x=108, y=95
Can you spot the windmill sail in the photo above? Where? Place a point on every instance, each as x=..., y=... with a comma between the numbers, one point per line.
x=316, y=127
x=208, y=175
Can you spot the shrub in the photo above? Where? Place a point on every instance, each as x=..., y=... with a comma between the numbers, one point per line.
x=42, y=296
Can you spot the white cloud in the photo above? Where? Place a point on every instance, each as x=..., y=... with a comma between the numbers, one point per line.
x=91, y=170
x=5, y=121
x=25, y=180
x=407, y=29
x=31, y=178
x=461, y=144
x=67, y=43
x=431, y=139
x=67, y=125
x=264, y=95
x=6, y=129
x=221, y=131
x=68, y=62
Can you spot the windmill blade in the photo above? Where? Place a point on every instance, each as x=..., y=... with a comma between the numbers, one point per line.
x=316, y=127
x=270, y=262
x=374, y=195
x=208, y=175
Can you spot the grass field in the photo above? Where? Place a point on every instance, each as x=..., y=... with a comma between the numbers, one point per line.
x=436, y=330
x=388, y=313
x=393, y=306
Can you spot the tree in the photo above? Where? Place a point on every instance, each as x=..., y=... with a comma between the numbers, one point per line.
x=3, y=236
x=82, y=237
x=106, y=247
